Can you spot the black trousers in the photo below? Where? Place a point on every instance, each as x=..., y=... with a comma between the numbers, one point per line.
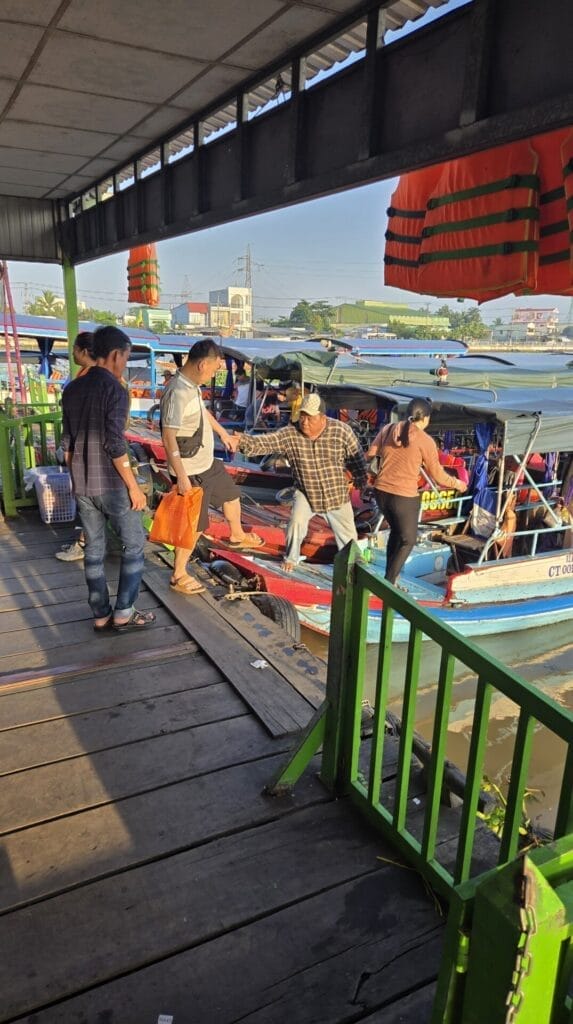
x=401, y=514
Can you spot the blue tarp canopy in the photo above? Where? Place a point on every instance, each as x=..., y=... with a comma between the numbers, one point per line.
x=406, y=346
x=521, y=414
x=52, y=327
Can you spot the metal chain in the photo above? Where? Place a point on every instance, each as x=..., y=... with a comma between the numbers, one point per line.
x=523, y=959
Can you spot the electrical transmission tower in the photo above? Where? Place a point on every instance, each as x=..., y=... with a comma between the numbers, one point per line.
x=186, y=288
x=246, y=264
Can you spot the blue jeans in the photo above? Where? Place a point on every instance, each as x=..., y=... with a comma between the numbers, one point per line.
x=340, y=520
x=115, y=508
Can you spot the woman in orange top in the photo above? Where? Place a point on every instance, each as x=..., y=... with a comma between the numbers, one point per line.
x=404, y=449
x=83, y=352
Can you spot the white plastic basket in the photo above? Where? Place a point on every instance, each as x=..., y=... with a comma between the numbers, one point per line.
x=53, y=487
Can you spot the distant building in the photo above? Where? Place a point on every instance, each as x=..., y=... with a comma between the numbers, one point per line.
x=151, y=318
x=190, y=314
x=507, y=333
x=231, y=308
x=538, y=323
x=366, y=312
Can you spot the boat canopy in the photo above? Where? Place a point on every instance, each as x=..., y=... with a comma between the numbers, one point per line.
x=403, y=347
x=264, y=351
x=545, y=415
x=323, y=367
x=57, y=329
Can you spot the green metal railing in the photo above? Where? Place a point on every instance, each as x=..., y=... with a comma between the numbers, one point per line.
x=28, y=438
x=337, y=726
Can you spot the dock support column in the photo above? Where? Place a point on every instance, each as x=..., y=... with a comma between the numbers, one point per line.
x=72, y=320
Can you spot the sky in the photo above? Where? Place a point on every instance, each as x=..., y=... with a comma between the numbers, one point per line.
x=328, y=249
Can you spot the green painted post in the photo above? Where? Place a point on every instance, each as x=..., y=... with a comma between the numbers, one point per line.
x=439, y=739
x=447, y=1008
x=516, y=791
x=519, y=925
x=6, y=472
x=290, y=772
x=72, y=319
x=478, y=744
x=380, y=702
x=341, y=647
x=564, y=820
x=408, y=724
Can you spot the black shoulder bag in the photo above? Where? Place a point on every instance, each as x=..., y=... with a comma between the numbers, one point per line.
x=189, y=446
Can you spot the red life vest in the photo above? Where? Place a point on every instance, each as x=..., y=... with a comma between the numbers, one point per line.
x=481, y=229
x=495, y=222
x=567, y=168
x=405, y=224
x=555, y=269
x=143, y=275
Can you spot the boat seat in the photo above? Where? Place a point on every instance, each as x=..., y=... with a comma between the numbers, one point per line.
x=464, y=548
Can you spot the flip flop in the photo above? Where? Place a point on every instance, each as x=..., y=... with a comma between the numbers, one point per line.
x=136, y=622
x=187, y=585
x=250, y=541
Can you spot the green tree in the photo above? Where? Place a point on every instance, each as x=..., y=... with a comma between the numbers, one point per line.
x=301, y=315
x=323, y=314
x=100, y=316
x=46, y=304
x=401, y=330
x=316, y=315
x=161, y=327
x=467, y=325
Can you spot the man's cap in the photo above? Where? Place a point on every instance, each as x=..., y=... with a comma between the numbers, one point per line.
x=312, y=405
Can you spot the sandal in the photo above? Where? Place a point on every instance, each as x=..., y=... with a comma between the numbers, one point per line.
x=249, y=541
x=187, y=585
x=137, y=620
x=105, y=628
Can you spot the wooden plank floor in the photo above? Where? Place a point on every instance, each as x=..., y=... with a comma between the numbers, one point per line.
x=145, y=877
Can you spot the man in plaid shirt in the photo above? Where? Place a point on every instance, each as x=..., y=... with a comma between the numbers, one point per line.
x=319, y=451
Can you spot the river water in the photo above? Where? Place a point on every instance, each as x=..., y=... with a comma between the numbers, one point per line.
x=542, y=657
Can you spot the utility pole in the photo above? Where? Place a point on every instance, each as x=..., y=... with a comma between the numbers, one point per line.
x=246, y=264
x=186, y=289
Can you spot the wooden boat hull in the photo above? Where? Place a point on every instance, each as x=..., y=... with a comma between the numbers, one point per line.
x=535, y=592
x=490, y=620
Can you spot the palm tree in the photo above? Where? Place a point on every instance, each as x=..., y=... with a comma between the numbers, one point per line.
x=46, y=304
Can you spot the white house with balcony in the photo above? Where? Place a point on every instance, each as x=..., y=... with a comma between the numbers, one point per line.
x=231, y=307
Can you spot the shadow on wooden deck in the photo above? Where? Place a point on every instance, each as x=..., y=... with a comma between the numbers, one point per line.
x=145, y=877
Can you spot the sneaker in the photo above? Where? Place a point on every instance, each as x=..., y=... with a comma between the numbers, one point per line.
x=71, y=552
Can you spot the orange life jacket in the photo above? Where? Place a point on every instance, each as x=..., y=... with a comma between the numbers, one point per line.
x=567, y=169
x=481, y=231
x=143, y=275
x=494, y=222
x=555, y=269
x=406, y=216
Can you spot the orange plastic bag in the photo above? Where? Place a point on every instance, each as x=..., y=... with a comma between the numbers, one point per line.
x=176, y=519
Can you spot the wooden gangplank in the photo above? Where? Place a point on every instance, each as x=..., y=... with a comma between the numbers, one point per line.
x=146, y=876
